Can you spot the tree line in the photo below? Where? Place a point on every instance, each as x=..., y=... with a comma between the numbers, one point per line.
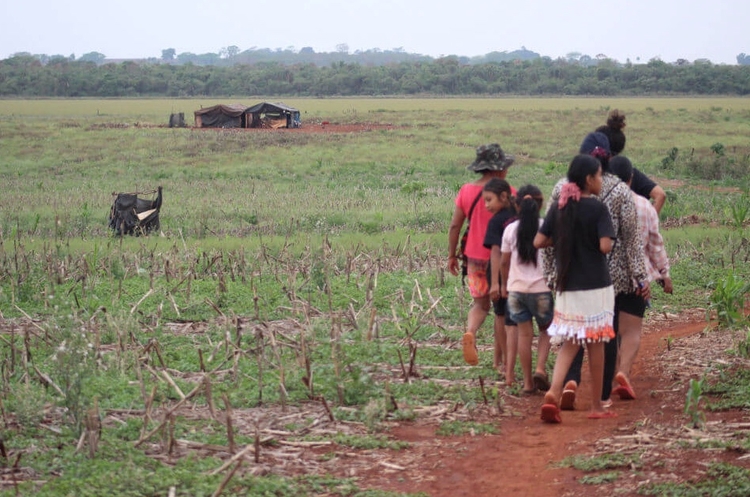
x=26, y=76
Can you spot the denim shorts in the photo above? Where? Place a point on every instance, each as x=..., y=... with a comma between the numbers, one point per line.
x=523, y=307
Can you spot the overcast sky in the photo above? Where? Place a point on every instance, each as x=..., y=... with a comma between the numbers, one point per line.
x=629, y=29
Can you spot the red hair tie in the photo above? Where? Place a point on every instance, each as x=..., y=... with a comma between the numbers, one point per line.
x=569, y=191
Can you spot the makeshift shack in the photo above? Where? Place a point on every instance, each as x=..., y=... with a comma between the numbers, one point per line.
x=221, y=116
x=130, y=215
x=272, y=115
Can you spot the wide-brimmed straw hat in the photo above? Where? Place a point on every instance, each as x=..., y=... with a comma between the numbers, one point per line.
x=491, y=158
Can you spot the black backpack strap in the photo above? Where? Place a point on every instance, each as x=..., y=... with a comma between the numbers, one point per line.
x=476, y=200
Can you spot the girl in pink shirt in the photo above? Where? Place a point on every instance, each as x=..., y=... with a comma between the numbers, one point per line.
x=524, y=286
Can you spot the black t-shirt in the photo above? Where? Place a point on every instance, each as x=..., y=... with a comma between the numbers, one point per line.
x=495, y=229
x=641, y=184
x=588, y=266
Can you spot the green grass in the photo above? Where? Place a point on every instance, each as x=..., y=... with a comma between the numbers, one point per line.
x=721, y=479
x=284, y=249
x=600, y=462
x=454, y=428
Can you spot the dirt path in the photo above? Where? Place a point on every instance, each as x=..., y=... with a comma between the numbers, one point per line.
x=520, y=460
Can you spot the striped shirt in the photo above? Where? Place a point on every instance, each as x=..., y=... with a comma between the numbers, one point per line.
x=654, y=253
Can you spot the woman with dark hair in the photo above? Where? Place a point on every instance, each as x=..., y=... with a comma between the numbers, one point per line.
x=580, y=229
x=641, y=184
x=626, y=265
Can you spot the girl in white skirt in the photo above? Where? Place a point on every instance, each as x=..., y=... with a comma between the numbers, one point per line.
x=580, y=230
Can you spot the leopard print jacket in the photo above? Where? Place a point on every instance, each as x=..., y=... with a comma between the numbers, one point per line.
x=626, y=262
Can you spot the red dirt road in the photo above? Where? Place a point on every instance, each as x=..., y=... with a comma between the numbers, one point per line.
x=521, y=459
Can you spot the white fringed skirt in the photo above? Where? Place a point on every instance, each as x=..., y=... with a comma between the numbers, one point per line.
x=584, y=316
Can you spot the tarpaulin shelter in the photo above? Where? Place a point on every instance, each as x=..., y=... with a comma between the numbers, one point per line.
x=221, y=116
x=272, y=115
x=130, y=215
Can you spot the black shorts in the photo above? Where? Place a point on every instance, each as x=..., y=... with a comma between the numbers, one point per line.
x=630, y=303
x=500, y=307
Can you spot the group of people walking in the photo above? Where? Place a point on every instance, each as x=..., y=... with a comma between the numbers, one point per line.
x=598, y=248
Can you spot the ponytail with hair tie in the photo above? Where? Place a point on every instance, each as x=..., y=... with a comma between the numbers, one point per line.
x=569, y=191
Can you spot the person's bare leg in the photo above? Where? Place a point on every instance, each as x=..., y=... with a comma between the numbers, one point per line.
x=596, y=367
x=525, y=337
x=477, y=314
x=500, y=343
x=542, y=352
x=630, y=342
x=565, y=357
x=511, y=350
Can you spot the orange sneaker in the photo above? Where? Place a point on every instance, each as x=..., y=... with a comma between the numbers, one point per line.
x=470, y=349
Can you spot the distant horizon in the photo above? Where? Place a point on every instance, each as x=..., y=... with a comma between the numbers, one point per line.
x=353, y=52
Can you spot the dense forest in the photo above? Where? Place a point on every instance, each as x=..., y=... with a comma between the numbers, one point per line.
x=394, y=73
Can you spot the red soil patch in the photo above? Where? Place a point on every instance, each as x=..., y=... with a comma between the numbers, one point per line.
x=315, y=128
x=522, y=458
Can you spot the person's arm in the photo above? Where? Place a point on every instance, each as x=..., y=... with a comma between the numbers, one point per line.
x=655, y=250
x=667, y=284
x=454, y=231
x=659, y=197
x=504, y=271
x=542, y=241
x=647, y=188
x=605, y=245
x=495, y=272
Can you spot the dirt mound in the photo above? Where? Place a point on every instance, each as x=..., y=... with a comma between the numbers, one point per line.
x=321, y=127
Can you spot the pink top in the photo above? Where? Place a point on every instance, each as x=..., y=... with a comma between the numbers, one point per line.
x=523, y=277
x=480, y=218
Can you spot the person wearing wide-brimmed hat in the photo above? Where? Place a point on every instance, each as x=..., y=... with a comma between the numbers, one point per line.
x=491, y=162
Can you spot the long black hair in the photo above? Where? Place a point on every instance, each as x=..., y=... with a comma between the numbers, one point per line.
x=581, y=167
x=529, y=201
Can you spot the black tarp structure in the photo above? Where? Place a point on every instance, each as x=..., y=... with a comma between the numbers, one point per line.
x=130, y=215
x=272, y=115
x=221, y=116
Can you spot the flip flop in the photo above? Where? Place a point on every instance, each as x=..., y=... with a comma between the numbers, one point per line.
x=541, y=382
x=625, y=390
x=602, y=415
x=568, y=398
x=528, y=393
x=551, y=414
x=470, y=349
